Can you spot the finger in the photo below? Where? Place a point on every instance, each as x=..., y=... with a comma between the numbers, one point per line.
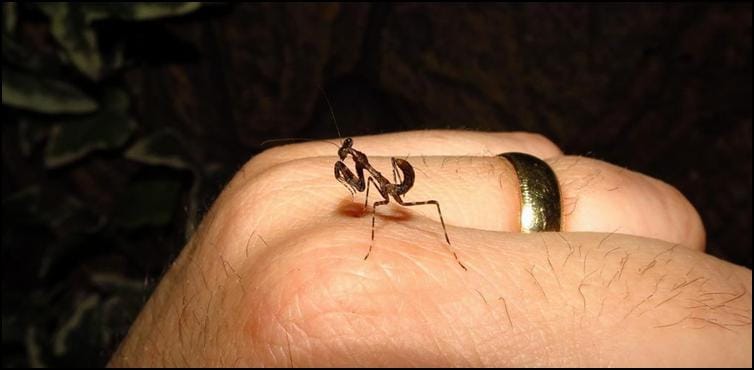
x=617, y=294
x=481, y=193
x=601, y=197
x=412, y=144
x=484, y=193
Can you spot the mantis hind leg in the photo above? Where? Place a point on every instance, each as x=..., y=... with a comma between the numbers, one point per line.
x=442, y=222
x=374, y=210
x=370, y=181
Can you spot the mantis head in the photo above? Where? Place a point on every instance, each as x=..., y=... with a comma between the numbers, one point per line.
x=343, y=151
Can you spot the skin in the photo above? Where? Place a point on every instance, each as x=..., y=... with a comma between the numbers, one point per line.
x=275, y=275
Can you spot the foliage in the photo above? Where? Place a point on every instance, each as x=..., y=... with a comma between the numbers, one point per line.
x=67, y=109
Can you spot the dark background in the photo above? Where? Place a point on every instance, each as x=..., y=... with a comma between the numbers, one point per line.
x=104, y=180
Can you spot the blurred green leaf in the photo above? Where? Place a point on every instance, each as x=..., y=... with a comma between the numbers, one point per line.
x=30, y=134
x=57, y=211
x=26, y=91
x=72, y=30
x=76, y=331
x=22, y=203
x=33, y=206
x=29, y=60
x=73, y=138
x=164, y=148
x=167, y=148
x=65, y=216
x=72, y=232
x=118, y=58
x=34, y=347
x=9, y=17
x=138, y=11
x=91, y=320
x=144, y=11
x=147, y=203
x=114, y=282
x=11, y=328
x=71, y=26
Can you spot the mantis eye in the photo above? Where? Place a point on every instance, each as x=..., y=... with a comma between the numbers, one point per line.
x=343, y=151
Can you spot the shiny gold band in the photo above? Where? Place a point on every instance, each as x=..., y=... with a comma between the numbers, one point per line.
x=540, y=194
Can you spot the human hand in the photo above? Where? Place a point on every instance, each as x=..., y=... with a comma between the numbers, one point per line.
x=275, y=275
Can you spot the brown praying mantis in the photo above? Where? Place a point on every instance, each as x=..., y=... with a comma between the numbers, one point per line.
x=357, y=183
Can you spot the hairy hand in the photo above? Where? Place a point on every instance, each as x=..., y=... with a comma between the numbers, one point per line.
x=276, y=276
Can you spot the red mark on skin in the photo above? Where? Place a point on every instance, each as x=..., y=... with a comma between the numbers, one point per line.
x=351, y=209
x=356, y=209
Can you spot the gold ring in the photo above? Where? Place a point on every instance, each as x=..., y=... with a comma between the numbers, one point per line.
x=540, y=194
